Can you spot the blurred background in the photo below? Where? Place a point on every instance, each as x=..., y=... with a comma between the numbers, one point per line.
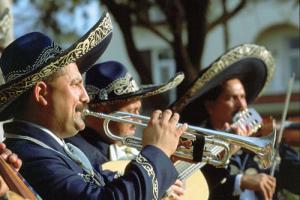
x=157, y=38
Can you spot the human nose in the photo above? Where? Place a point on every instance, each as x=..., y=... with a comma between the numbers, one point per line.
x=241, y=103
x=84, y=96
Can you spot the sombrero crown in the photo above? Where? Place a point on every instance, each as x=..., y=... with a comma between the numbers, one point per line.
x=34, y=56
x=252, y=64
x=110, y=82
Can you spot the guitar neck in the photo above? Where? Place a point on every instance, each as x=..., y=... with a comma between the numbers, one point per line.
x=186, y=169
x=248, y=117
x=14, y=182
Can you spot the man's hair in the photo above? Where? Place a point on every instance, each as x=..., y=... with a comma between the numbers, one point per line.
x=215, y=92
x=55, y=75
x=19, y=106
x=212, y=94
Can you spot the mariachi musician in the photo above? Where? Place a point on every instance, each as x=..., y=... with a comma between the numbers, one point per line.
x=45, y=96
x=112, y=88
x=224, y=88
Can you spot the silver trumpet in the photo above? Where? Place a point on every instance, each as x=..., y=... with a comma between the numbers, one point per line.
x=197, y=144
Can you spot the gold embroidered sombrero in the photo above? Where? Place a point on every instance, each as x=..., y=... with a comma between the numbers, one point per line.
x=252, y=64
x=34, y=56
x=110, y=82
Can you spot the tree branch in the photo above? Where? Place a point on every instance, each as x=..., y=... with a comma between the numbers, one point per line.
x=227, y=16
x=151, y=27
x=122, y=16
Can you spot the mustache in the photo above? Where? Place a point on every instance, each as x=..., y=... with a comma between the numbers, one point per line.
x=80, y=108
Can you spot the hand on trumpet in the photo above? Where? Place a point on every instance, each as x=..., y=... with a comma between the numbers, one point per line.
x=239, y=129
x=162, y=131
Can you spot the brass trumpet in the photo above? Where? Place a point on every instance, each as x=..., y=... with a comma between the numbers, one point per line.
x=206, y=144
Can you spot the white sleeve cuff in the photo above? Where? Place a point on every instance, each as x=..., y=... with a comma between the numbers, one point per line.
x=237, y=185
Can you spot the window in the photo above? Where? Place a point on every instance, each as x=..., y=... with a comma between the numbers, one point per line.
x=294, y=60
x=163, y=69
x=283, y=42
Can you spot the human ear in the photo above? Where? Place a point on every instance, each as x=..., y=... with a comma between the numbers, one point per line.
x=40, y=92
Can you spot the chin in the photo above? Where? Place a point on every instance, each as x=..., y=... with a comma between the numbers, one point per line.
x=79, y=124
x=73, y=133
x=130, y=133
x=81, y=127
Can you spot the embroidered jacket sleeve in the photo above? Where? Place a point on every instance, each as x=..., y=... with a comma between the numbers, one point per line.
x=55, y=177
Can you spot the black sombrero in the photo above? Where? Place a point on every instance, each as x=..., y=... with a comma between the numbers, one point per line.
x=34, y=56
x=252, y=64
x=110, y=82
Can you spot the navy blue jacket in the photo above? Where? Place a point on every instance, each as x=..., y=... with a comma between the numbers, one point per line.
x=91, y=137
x=54, y=176
x=96, y=157
x=221, y=180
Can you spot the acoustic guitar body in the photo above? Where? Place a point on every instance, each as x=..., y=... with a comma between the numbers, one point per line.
x=196, y=187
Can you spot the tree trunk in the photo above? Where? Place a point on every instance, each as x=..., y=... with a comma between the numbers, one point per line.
x=123, y=16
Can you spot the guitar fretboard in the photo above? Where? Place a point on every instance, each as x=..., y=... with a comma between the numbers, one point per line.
x=186, y=169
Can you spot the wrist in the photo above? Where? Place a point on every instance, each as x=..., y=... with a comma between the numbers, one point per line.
x=243, y=184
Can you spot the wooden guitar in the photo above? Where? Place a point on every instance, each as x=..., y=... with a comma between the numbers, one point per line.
x=18, y=189
x=195, y=185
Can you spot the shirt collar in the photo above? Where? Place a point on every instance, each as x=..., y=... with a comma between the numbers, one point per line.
x=60, y=141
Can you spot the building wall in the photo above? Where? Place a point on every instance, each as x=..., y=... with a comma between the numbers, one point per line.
x=254, y=24
x=247, y=27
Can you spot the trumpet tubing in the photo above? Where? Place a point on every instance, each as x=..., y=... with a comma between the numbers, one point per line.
x=198, y=140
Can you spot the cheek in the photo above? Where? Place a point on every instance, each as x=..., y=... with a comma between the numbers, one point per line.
x=125, y=129
x=116, y=128
x=223, y=111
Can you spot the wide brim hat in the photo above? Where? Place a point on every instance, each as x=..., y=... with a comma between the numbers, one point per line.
x=252, y=64
x=34, y=57
x=110, y=82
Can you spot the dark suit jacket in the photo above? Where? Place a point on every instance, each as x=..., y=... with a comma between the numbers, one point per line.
x=93, y=138
x=54, y=176
x=288, y=176
x=221, y=180
x=94, y=155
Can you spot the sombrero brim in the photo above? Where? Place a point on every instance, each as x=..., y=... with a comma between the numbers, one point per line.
x=252, y=64
x=84, y=52
x=144, y=91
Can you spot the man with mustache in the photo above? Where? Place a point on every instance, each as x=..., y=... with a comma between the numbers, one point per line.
x=44, y=96
x=111, y=88
x=224, y=88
